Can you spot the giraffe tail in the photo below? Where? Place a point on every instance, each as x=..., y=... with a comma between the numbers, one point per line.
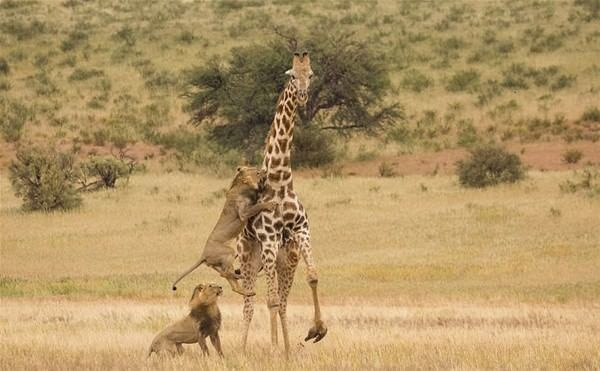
x=190, y=270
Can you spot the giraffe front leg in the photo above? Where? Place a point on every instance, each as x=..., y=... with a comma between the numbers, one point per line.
x=249, y=265
x=268, y=256
x=287, y=261
x=318, y=330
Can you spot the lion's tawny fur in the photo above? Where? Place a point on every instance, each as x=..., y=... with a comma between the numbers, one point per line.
x=240, y=205
x=204, y=320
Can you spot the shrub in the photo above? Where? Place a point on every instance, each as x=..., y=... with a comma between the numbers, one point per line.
x=563, y=81
x=416, y=81
x=365, y=155
x=592, y=8
x=572, y=156
x=386, y=170
x=186, y=37
x=586, y=181
x=463, y=80
x=127, y=35
x=515, y=77
x=488, y=166
x=74, y=39
x=105, y=170
x=591, y=114
x=4, y=67
x=22, y=30
x=44, y=179
x=312, y=147
x=13, y=116
x=4, y=85
x=84, y=74
x=467, y=134
x=161, y=80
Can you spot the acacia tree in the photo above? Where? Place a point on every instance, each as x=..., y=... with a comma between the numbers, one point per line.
x=235, y=99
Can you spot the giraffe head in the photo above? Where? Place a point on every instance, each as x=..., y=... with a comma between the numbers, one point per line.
x=300, y=75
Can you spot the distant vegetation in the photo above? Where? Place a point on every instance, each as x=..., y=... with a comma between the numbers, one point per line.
x=113, y=73
x=45, y=180
x=489, y=165
x=586, y=181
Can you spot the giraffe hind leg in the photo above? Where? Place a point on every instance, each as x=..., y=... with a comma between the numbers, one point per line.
x=287, y=261
x=318, y=330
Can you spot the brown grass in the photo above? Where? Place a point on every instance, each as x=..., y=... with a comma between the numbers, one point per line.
x=415, y=272
x=56, y=334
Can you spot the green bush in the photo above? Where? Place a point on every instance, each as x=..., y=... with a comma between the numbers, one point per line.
x=312, y=147
x=467, y=134
x=563, y=81
x=592, y=8
x=44, y=179
x=75, y=39
x=23, y=30
x=104, y=171
x=84, y=74
x=4, y=85
x=572, y=156
x=586, y=181
x=13, y=116
x=4, y=67
x=386, y=170
x=591, y=114
x=186, y=37
x=416, y=81
x=463, y=80
x=127, y=35
x=488, y=166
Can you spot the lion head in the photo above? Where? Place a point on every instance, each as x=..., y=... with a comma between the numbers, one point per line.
x=249, y=176
x=205, y=294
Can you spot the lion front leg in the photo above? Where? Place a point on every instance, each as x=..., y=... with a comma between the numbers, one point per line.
x=216, y=342
x=202, y=343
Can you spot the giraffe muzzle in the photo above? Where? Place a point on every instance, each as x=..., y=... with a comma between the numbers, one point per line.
x=302, y=97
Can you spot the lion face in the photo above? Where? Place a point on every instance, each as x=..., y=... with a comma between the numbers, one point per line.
x=205, y=294
x=251, y=177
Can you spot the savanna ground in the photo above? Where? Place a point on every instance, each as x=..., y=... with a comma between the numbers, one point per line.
x=415, y=271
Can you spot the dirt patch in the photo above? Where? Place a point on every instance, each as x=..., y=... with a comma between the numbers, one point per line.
x=140, y=152
x=536, y=156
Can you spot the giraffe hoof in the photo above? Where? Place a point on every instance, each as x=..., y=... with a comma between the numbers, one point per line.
x=317, y=332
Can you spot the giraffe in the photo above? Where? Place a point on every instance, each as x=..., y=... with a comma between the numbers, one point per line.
x=274, y=239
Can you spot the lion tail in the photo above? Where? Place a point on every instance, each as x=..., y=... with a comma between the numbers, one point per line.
x=190, y=270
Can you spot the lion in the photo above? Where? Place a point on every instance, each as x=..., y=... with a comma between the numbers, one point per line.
x=240, y=205
x=203, y=320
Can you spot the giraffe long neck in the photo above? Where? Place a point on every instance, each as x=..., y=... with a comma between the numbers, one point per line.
x=278, y=144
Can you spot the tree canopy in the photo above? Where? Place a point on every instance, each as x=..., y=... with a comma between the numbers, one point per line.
x=235, y=98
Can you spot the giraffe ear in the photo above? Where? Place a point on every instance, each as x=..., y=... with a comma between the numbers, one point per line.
x=289, y=72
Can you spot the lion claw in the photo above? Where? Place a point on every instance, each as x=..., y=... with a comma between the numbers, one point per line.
x=317, y=332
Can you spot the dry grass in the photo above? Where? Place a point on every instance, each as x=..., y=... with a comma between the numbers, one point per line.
x=50, y=334
x=384, y=238
x=443, y=277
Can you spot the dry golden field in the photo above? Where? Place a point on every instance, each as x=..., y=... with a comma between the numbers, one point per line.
x=416, y=272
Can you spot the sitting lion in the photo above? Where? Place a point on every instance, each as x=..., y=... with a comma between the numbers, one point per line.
x=204, y=320
x=240, y=205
